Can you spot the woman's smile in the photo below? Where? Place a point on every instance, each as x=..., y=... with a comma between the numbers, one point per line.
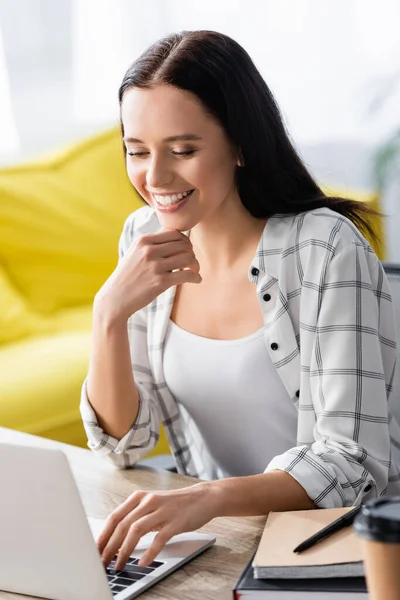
x=171, y=202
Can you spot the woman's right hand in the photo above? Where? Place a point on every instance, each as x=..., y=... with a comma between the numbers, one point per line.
x=152, y=264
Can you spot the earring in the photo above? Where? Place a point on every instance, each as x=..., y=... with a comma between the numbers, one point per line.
x=240, y=162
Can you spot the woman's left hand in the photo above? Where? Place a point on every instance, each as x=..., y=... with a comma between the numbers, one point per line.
x=167, y=512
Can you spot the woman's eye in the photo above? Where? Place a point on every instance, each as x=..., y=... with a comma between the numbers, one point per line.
x=140, y=154
x=184, y=153
x=137, y=153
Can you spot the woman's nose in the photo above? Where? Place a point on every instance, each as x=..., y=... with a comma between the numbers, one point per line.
x=158, y=174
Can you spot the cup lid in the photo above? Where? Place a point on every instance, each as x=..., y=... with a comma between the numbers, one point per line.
x=379, y=520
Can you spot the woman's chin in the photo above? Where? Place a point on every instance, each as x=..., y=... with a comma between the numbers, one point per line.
x=175, y=222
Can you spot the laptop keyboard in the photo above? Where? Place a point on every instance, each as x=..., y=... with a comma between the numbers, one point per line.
x=120, y=580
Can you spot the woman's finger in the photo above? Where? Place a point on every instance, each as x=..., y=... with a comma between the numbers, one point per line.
x=163, y=236
x=115, y=518
x=116, y=540
x=184, y=276
x=145, y=507
x=173, y=248
x=158, y=544
x=181, y=261
x=136, y=531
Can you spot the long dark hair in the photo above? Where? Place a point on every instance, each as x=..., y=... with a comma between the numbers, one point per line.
x=222, y=75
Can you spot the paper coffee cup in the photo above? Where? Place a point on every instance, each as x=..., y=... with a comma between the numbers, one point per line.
x=378, y=523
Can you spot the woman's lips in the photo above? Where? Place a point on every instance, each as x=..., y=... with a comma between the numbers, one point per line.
x=172, y=207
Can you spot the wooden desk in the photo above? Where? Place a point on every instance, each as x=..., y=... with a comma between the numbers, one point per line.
x=211, y=575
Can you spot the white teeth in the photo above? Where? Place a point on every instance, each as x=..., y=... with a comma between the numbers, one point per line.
x=168, y=200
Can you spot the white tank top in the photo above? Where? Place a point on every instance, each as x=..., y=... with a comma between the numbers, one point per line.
x=233, y=393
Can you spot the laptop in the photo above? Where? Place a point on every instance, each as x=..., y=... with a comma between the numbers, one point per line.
x=48, y=545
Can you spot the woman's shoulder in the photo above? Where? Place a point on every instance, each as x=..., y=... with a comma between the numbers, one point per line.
x=324, y=226
x=142, y=221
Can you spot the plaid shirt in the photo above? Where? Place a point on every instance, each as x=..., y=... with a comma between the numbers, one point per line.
x=329, y=329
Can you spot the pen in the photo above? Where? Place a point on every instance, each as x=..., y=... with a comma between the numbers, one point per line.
x=337, y=525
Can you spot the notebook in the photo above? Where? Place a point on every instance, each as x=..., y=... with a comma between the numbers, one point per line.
x=340, y=588
x=339, y=555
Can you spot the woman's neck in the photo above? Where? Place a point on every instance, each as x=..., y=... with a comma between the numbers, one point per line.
x=227, y=240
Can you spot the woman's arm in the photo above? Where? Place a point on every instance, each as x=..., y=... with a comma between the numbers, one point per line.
x=348, y=355
x=111, y=388
x=119, y=411
x=258, y=495
x=189, y=508
x=119, y=408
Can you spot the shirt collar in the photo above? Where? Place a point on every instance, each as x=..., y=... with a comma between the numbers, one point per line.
x=269, y=250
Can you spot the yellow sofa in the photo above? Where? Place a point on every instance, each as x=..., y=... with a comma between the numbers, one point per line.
x=60, y=221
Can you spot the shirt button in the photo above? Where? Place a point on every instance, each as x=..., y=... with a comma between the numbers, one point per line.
x=255, y=271
x=274, y=346
x=267, y=297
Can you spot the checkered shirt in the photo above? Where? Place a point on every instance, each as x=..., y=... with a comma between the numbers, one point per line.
x=329, y=329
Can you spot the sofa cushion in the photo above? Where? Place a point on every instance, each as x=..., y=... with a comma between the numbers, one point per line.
x=78, y=318
x=41, y=379
x=16, y=317
x=60, y=221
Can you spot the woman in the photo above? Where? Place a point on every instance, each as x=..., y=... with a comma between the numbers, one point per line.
x=272, y=373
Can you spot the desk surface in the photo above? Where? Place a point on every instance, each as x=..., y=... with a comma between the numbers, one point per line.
x=102, y=487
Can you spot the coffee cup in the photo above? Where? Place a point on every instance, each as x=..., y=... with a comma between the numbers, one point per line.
x=378, y=524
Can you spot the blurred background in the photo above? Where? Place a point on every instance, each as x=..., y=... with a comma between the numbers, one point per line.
x=333, y=66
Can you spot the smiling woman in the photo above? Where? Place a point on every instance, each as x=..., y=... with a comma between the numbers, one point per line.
x=198, y=161
x=265, y=389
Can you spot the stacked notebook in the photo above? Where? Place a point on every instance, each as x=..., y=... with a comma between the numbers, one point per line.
x=331, y=570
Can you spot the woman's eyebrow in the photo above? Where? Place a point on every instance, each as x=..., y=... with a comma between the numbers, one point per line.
x=185, y=137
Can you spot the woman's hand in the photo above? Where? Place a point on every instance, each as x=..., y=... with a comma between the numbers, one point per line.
x=189, y=508
x=152, y=264
x=167, y=512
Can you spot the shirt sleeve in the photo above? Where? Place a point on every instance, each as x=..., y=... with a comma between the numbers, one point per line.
x=144, y=432
x=351, y=366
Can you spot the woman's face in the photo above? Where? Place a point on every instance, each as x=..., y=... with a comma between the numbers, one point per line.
x=178, y=157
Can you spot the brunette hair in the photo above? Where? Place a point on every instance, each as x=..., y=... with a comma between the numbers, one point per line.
x=215, y=68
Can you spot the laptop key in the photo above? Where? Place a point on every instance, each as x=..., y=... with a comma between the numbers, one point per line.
x=155, y=564
x=129, y=579
x=119, y=588
x=135, y=569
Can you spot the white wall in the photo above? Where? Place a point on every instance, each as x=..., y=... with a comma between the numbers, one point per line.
x=324, y=60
